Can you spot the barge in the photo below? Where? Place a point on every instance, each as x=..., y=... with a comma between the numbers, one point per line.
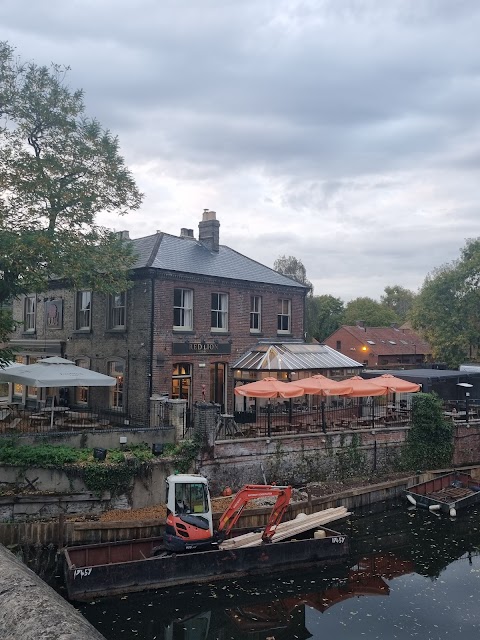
x=108, y=569
x=446, y=493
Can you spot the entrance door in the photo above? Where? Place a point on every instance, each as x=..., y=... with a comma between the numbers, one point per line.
x=218, y=371
x=182, y=382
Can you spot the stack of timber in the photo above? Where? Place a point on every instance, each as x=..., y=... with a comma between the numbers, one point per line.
x=289, y=529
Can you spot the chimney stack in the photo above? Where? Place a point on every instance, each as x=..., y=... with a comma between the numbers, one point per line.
x=187, y=233
x=208, y=230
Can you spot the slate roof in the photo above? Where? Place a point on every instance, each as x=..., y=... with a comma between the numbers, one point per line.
x=390, y=341
x=294, y=357
x=187, y=255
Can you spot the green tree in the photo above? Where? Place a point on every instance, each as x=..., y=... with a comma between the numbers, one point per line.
x=446, y=309
x=293, y=268
x=373, y=313
x=58, y=170
x=399, y=300
x=323, y=316
x=429, y=443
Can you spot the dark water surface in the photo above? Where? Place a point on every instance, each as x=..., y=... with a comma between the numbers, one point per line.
x=411, y=574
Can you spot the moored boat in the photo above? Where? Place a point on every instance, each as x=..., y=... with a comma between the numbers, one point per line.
x=446, y=493
x=108, y=569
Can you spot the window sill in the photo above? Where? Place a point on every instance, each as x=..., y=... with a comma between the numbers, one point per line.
x=29, y=334
x=224, y=332
x=285, y=333
x=181, y=330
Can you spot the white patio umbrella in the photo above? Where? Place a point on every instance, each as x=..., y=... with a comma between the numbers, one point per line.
x=54, y=372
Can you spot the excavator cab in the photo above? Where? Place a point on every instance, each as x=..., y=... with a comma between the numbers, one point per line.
x=189, y=523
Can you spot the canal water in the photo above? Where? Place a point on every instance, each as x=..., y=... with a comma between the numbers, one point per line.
x=411, y=574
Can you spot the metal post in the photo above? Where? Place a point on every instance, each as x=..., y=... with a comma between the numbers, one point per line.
x=375, y=455
x=324, y=423
x=269, y=418
x=467, y=400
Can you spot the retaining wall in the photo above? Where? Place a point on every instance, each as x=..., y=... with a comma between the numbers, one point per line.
x=297, y=459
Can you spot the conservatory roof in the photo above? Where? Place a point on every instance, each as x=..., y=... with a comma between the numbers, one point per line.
x=294, y=357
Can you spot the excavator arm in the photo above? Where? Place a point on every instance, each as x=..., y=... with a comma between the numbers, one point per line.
x=243, y=497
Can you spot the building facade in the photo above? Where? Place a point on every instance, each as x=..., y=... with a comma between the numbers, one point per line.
x=194, y=307
x=382, y=347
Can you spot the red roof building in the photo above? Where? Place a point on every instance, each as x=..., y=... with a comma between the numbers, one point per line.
x=394, y=347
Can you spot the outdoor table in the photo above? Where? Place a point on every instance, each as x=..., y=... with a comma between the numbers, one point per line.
x=455, y=414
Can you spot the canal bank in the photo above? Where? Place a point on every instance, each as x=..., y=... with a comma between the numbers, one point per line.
x=31, y=610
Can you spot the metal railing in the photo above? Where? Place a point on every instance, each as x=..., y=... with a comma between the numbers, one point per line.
x=291, y=418
x=15, y=420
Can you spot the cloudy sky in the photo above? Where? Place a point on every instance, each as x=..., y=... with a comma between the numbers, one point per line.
x=342, y=132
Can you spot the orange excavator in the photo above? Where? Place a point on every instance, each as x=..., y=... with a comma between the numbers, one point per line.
x=189, y=525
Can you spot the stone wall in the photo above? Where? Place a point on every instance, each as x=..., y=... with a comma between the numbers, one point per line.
x=144, y=491
x=301, y=458
x=31, y=610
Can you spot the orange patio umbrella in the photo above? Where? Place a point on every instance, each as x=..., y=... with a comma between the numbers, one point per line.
x=269, y=388
x=319, y=385
x=396, y=385
x=362, y=388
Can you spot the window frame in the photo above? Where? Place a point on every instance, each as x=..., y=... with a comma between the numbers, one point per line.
x=219, y=314
x=185, y=312
x=30, y=314
x=255, y=313
x=81, y=310
x=116, y=392
x=114, y=308
x=282, y=315
x=81, y=392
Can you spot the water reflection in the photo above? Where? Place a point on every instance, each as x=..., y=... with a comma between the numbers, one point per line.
x=409, y=574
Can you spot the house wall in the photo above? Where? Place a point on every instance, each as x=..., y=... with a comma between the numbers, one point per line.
x=236, y=340
x=373, y=356
x=145, y=346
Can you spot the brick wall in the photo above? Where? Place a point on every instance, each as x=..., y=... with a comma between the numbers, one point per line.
x=148, y=366
x=238, y=335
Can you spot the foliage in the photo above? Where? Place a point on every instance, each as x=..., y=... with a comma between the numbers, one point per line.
x=429, y=443
x=373, y=313
x=399, y=300
x=350, y=460
x=58, y=171
x=293, y=268
x=446, y=309
x=183, y=453
x=115, y=474
x=44, y=455
x=323, y=316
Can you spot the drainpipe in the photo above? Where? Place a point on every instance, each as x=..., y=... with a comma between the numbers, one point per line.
x=152, y=315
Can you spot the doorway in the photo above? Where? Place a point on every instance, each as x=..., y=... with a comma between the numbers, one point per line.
x=218, y=372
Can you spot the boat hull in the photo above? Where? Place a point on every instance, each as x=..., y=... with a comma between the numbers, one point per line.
x=93, y=571
x=453, y=490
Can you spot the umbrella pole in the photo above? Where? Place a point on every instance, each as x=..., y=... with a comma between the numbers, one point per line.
x=269, y=418
x=373, y=412
x=52, y=413
x=324, y=423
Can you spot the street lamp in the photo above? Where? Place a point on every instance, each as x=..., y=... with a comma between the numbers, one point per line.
x=466, y=385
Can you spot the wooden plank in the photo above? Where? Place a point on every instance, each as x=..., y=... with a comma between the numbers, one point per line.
x=289, y=529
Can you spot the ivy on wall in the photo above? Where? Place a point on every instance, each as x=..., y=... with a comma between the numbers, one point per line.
x=429, y=443
x=116, y=474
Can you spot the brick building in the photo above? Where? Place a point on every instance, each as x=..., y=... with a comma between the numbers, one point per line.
x=392, y=347
x=194, y=308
